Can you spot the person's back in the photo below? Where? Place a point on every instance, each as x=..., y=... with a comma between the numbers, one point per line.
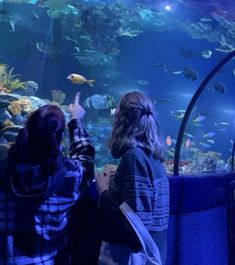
x=140, y=181
x=149, y=170
x=39, y=186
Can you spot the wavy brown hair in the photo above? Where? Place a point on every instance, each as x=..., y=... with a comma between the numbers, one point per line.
x=135, y=124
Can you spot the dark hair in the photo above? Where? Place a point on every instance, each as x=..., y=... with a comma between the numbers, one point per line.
x=135, y=124
x=40, y=139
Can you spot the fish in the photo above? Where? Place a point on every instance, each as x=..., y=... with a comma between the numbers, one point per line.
x=35, y=15
x=211, y=141
x=206, y=53
x=190, y=73
x=199, y=119
x=77, y=49
x=188, y=135
x=166, y=69
x=79, y=79
x=70, y=39
x=141, y=82
x=186, y=53
x=168, y=140
x=204, y=145
x=4, y=11
x=218, y=87
x=188, y=143
x=162, y=100
x=205, y=19
x=172, y=70
x=197, y=125
x=222, y=124
x=178, y=114
x=158, y=65
x=209, y=135
x=175, y=71
x=13, y=20
x=47, y=49
x=98, y=102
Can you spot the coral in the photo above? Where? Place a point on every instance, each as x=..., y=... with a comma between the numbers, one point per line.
x=58, y=96
x=7, y=122
x=205, y=162
x=31, y=85
x=21, y=105
x=15, y=108
x=107, y=168
x=2, y=89
x=3, y=71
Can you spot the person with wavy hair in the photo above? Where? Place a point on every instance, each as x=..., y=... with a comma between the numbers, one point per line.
x=140, y=180
x=39, y=186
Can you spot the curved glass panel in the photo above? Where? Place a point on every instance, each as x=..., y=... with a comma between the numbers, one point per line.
x=209, y=135
x=162, y=48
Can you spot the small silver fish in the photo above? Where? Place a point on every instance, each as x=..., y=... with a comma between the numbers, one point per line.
x=206, y=53
x=199, y=119
x=204, y=145
x=211, y=141
x=141, y=82
x=209, y=135
x=46, y=49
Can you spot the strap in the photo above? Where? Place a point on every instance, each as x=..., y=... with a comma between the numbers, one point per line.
x=143, y=234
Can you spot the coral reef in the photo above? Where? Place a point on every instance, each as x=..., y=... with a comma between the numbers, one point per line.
x=58, y=96
x=21, y=105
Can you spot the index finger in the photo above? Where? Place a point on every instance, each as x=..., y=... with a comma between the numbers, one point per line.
x=77, y=99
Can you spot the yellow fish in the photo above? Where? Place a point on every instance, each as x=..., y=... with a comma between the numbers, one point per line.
x=79, y=79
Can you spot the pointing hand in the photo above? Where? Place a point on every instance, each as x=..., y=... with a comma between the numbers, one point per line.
x=76, y=110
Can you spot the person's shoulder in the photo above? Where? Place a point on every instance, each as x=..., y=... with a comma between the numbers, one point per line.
x=133, y=156
x=134, y=153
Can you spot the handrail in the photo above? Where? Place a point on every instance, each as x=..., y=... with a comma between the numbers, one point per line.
x=191, y=104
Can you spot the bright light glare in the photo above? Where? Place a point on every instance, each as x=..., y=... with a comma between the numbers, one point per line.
x=167, y=7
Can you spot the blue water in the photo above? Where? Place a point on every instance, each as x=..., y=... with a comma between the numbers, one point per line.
x=138, y=54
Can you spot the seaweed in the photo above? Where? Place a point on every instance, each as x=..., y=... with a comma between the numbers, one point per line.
x=8, y=81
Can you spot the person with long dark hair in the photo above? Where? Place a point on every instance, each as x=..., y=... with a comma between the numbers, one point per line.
x=140, y=180
x=39, y=186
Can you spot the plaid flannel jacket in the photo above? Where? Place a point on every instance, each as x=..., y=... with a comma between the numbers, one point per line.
x=32, y=232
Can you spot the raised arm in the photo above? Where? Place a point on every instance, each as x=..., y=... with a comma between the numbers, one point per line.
x=80, y=146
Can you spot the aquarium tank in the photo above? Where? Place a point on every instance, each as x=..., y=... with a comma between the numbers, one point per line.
x=164, y=49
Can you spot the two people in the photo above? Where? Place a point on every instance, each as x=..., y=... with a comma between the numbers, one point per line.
x=39, y=186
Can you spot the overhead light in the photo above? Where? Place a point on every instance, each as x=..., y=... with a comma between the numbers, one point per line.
x=167, y=8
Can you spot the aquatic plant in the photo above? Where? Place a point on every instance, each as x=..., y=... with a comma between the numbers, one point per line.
x=11, y=85
x=8, y=81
